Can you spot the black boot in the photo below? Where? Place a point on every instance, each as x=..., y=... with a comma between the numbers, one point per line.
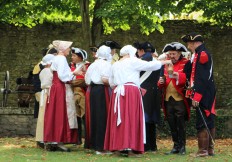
x=150, y=137
x=182, y=150
x=182, y=139
x=175, y=149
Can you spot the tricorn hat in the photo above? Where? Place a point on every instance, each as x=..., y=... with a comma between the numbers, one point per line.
x=111, y=44
x=144, y=46
x=192, y=37
x=174, y=46
x=80, y=52
x=93, y=48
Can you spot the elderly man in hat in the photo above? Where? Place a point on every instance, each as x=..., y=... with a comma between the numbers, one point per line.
x=202, y=91
x=175, y=105
x=151, y=99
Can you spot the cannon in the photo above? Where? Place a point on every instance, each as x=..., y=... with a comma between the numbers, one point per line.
x=24, y=89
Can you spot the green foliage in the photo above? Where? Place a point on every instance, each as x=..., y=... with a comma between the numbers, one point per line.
x=214, y=11
x=114, y=14
x=33, y=12
x=122, y=14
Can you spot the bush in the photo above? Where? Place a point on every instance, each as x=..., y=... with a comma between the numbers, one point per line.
x=223, y=126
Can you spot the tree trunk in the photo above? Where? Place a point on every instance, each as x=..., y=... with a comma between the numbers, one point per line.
x=97, y=25
x=84, y=6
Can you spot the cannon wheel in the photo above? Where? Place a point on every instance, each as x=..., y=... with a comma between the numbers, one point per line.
x=6, y=86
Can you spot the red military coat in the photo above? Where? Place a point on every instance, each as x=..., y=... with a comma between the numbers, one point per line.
x=183, y=68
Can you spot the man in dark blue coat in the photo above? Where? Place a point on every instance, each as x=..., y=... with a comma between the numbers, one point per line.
x=151, y=99
x=202, y=91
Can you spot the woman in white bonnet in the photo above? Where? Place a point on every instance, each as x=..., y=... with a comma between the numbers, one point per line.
x=97, y=77
x=60, y=124
x=45, y=77
x=125, y=125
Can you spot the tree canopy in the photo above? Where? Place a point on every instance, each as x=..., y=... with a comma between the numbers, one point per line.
x=111, y=15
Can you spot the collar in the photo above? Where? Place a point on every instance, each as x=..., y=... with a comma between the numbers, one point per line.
x=145, y=55
x=200, y=48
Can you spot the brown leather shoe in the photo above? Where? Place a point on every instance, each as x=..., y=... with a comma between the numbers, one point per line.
x=211, y=144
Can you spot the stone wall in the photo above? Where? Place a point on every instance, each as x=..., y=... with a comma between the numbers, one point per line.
x=16, y=121
x=20, y=50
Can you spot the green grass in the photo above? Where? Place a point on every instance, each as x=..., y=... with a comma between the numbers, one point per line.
x=25, y=150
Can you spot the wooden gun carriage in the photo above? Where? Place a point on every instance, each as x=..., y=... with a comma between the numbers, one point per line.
x=24, y=89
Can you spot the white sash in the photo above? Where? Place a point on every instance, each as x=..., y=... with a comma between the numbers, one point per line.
x=145, y=75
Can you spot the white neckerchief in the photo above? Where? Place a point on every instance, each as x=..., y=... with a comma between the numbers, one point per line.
x=79, y=66
x=192, y=58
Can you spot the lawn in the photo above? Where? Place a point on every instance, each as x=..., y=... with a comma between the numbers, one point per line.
x=20, y=149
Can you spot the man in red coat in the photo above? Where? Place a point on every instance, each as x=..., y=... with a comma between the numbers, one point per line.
x=79, y=64
x=175, y=105
x=202, y=91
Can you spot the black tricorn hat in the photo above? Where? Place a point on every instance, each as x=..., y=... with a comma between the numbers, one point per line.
x=111, y=44
x=144, y=46
x=93, y=48
x=192, y=37
x=174, y=46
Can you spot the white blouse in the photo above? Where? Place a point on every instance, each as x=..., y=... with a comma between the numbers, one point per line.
x=97, y=70
x=60, y=65
x=128, y=70
x=45, y=77
x=125, y=71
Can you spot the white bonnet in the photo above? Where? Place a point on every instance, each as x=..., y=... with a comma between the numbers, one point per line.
x=61, y=45
x=47, y=59
x=103, y=52
x=128, y=49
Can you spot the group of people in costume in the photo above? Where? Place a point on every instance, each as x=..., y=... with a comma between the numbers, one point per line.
x=117, y=99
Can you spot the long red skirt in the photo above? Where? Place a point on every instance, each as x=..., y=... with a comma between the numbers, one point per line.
x=87, y=118
x=56, y=125
x=129, y=134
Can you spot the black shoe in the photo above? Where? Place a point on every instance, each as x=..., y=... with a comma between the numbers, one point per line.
x=173, y=151
x=40, y=145
x=182, y=150
x=51, y=147
x=63, y=148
